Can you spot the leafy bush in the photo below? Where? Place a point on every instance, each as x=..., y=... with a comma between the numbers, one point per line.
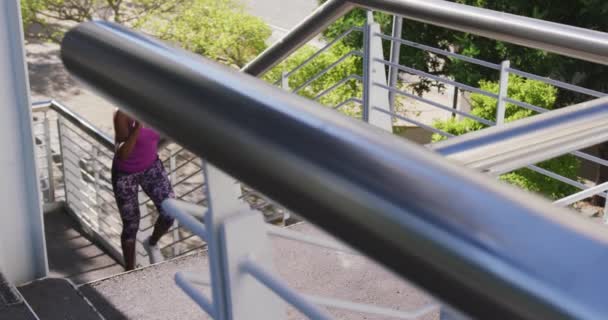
x=348, y=67
x=533, y=92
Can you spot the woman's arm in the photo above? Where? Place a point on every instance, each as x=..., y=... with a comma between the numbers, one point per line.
x=124, y=138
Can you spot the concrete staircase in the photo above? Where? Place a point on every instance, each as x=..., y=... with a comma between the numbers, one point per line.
x=58, y=299
x=84, y=287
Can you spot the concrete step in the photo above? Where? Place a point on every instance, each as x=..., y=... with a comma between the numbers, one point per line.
x=151, y=293
x=12, y=305
x=71, y=254
x=58, y=299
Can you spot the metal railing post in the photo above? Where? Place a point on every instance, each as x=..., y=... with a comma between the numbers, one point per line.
x=176, y=235
x=62, y=155
x=285, y=81
x=96, y=168
x=235, y=233
x=503, y=92
x=374, y=72
x=395, y=55
x=49, y=157
x=222, y=196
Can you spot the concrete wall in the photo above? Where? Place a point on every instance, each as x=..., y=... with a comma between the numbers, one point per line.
x=22, y=246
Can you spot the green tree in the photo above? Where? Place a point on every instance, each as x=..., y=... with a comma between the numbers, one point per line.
x=588, y=14
x=218, y=29
x=350, y=66
x=532, y=92
x=49, y=19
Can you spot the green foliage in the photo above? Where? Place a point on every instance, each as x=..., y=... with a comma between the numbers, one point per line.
x=217, y=29
x=350, y=66
x=590, y=14
x=532, y=92
x=51, y=18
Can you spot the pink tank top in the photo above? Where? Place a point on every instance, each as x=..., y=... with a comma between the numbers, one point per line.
x=144, y=152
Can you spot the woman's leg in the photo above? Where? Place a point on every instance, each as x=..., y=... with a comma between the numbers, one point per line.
x=125, y=191
x=157, y=186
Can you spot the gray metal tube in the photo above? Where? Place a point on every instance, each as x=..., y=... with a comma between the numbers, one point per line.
x=482, y=247
x=393, y=72
x=558, y=38
x=535, y=33
x=515, y=145
x=298, y=36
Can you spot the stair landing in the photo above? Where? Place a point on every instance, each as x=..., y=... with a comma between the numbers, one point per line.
x=151, y=293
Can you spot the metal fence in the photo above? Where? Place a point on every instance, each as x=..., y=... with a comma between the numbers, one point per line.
x=75, y=161
x=381, y=92
x=366, y=187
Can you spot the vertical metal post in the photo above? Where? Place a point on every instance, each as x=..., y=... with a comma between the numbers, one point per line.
x=222, y=196
x=395, y=55
x=172, y=178
x=606, y=208
x=374, y=97
x=235, y=233
x=62, y=157
x=96, y=168
x=285, y=81
x=503, y=92
x=22, y=243
x=49, y=156
x=455, y=100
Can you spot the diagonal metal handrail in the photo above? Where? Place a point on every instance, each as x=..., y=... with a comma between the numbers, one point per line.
x=570, y=41
x=512, y=146
x=373, y=192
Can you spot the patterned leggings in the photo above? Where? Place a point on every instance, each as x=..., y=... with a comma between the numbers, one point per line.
x=155, y=184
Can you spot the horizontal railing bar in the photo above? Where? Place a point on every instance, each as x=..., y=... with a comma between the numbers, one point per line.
x=172, y=208
x=373, y=192
x=440, y=51
x=305, y=31
x=189, y=161
x=180, y=197
x=349, y=100
x=371, y=309
x=84, y=125
x=41, y=106
x=563, y=39
x=591, y=158
x=420, y=124
x=600, y=188
x=339, y=83
x=557, y=83
x=534, y=33
x=439, y=79
x=526, y=105
x=327, y=69
x=531, y=140
x=320, y=51
x=194, y=294
x=557, y=176
x=174, y=154
x=85, y=138
x=315, y=241
x=435, y=104
x=279, y=288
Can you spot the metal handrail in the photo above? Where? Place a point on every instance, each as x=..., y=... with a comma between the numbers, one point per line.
x=535, y=33
x=531, y=140
x=373, y=192
x=74, y=118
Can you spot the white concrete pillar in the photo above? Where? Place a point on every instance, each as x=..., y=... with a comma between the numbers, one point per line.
x=22, y=245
